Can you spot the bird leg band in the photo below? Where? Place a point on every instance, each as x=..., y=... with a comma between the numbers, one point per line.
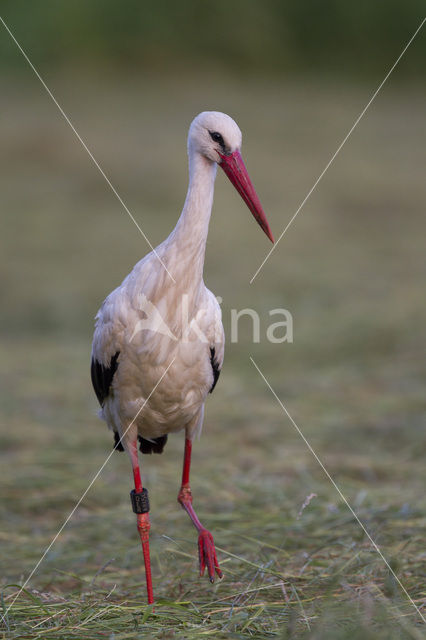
x=140, y=501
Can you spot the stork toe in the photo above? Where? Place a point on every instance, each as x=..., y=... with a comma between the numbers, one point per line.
x=207, y=555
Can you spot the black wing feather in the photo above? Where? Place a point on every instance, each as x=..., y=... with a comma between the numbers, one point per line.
x=102, y=377
x=215, y=367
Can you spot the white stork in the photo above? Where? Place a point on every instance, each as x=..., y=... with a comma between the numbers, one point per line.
x=158, y=344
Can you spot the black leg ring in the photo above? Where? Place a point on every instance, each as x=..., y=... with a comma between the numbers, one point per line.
x=140, y=501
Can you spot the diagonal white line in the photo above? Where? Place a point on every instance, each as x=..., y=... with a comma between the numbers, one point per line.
x=374, y=544
x=92, y=482
x=339, y=148
x=86, y=148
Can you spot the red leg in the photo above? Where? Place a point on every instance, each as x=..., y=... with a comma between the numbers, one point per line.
x=206, y=548
x=142, y=520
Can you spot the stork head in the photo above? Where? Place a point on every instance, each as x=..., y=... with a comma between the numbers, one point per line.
x=217, y=137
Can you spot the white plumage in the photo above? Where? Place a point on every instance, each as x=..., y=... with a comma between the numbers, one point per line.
x=162, y=323
x=145, y=355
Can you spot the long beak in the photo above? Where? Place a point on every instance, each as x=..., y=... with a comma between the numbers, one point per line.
x=236, y=171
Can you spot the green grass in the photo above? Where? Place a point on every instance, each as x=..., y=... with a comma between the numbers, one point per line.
x=351, y=271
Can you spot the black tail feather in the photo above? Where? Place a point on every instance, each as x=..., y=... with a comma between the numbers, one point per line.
x=146, y=446
x=117, y=444
x=155, y=446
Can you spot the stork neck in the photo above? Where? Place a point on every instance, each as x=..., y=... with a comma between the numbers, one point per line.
x=190, y=233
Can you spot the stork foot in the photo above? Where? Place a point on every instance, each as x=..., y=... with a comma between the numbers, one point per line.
x=207, y=555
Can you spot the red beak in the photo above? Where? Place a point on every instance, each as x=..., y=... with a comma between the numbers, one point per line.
x=236, y=171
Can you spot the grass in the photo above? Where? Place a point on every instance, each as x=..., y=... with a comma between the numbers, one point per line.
x=351, y=271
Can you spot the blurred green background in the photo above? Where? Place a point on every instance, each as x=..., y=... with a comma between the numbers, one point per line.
x=351, y=270
x=328, y=36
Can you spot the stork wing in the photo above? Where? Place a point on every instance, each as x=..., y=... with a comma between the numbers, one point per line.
x=216, y=336
x=106, y=347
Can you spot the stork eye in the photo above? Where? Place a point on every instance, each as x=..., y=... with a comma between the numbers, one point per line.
x=217, y=137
